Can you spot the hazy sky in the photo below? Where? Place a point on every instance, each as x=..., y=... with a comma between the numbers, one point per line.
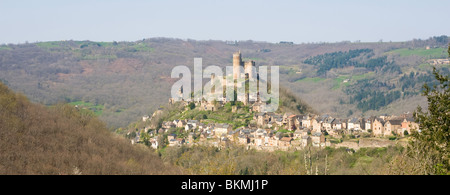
x=260, y=20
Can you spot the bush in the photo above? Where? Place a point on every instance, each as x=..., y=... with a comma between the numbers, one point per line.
x=405, y=133
x=392, y=138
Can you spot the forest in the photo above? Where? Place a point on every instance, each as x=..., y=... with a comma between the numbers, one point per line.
x=340, y=59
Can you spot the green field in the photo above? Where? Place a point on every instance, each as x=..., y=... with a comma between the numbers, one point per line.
x=312, y=79
x=48, y=44
x=4, y=47
x=141, y=47
x=97, y=109
x=431, y=53
x=339, y=81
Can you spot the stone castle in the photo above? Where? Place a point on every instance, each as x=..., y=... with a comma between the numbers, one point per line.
x=243, y=72
x=249, y=67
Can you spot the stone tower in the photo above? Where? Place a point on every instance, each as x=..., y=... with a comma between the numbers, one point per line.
x=246, y=93
x=213, y=80
x=250, y=68
x=237, y=63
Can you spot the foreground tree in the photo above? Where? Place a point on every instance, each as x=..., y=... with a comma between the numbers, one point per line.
x=429, y=147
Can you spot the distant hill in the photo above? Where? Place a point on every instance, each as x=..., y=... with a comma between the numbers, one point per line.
x=62, y=140
x=122, y=81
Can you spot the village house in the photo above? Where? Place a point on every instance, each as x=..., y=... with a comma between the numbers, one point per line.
x=368, y=123
x=208, y=106
x=306, y=121
x=181, y=123
x=194, y=123
x=171, y=136
x=378, y=127
x=299, y=134
x=168, y=125
x=286, y=117
x=222, y=129
x=392, y=126
x=243, y=139
x=259, y=141
x=409, y=124
x=285, y=142
x=260, y=133
x=233, y=135
x=291, y=123
x=316, y=125
x=261, y=119
x=353, y=124
x=318, y=139
x=333, y=132
x=306, y=141
x=278, y=121
x=327, y=123
x=336, y=124
x=298, y=121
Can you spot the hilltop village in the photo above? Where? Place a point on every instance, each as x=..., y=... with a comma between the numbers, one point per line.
x=268, y=131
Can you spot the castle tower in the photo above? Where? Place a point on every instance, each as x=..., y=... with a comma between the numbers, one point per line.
x=213, y=80
x=250, y=68
x=237, y=62
x=246, y=92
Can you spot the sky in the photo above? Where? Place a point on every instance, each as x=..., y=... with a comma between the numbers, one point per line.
x=299, y=21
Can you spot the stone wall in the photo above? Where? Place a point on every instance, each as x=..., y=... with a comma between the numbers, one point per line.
x=375, y=143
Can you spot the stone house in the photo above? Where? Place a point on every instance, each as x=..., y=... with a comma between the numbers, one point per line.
x=353, y=124
x=316, y=125
x=306, y=121
x=336, y=124
x=285, y=142
x=409, y=124
x=171, y=136
x=306, y=141
x=298, y=121
x=327, y=123
x=222, y=129
x=286, y=117
x=261, y=119
x=168, y=125
x=243, y=139
x=181, y=123
x=392, y=126
x=368, y=123
x=194, y=123
x=298, y=134
x=378, y=127
x=318, y=139
x=291, y=122
x=259, y=141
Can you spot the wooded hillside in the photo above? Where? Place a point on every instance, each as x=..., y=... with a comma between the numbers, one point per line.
x=62, y=140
